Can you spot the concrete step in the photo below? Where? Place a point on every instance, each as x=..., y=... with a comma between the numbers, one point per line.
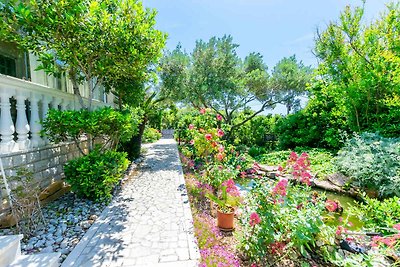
x=37, y=260
x=10, y=248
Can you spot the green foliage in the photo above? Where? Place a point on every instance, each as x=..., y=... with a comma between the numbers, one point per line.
x=151, y=135
x=373, y=162
x=378, y=215
x=321, y=124
x=291, y=78
x=106, y=123
x=95, y=175
x=359, y=67
x=260, y=131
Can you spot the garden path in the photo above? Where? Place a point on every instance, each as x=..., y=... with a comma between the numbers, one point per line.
x=149, y=223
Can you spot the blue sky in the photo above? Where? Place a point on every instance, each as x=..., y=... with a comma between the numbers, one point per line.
x=275, y=28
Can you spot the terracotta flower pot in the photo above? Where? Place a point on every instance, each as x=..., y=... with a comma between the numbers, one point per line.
x=225, y=221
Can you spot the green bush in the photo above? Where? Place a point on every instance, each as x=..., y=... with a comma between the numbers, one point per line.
x=151, y=135
x=257, y=132
x=378, y=215
x=106, y=123
x=373, y=162
x=95, y=175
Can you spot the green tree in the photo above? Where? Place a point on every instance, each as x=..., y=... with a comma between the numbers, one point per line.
x=360, y=66
x=101, y=42
x=213, y=76
x=291, y=77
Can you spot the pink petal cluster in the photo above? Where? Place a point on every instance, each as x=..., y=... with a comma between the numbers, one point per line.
x=254, y=219
x=219, y=117
x=221, y=149
x=220, y=133
x=202, y=111
x=331, y=205
x=280, y=188
x=191, y=142
x=191, y=126
x=208, y=136
x=231, y=188
x=220, y=156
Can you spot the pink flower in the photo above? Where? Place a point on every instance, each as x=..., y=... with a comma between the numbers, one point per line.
x=231, y=188
x=220, y=133
x=331, y=205
x=191, y=142
x=280, y=188
x=202, y=111
x=243, y=174
x=397, y=226
x=219, y=117
x=208, y=136
x=256, y=166
x=254, y=219
x=220, y=156
x=293, y=156
x=280, y=168
x=221, y=149
x=191, y=126
x=238, y=167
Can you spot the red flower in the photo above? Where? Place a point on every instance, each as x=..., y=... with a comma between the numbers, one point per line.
x=220, y=156
x=220, y=133
x=331, y=205
x=219, y=117
x=208, y=136
x=191, y=126
x=254, y=219
x=202, y=111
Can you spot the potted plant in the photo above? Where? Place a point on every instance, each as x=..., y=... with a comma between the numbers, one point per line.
x=227, y=199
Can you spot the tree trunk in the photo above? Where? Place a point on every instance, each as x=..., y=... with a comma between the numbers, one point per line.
x=133, y=146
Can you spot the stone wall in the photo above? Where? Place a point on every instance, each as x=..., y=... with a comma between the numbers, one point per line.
x=46, y=163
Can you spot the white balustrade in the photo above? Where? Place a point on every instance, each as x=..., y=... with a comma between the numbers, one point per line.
x=17, y=133
x=22, y=126
x=35, y=125
x=7, y=128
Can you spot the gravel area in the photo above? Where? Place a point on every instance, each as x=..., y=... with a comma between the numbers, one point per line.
x=67, y=219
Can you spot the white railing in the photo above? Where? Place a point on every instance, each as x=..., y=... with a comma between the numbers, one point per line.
x=23, y=134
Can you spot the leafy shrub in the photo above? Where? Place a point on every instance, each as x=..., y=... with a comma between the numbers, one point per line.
x=320, y=124
x=378, y=215
x=260, y=131
x=114, y=126
x=373, y=162
x=256, y=151
x=151, y=135
x=95, y=175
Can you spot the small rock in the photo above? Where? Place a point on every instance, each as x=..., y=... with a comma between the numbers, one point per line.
x=93, y=217
x=48, y=249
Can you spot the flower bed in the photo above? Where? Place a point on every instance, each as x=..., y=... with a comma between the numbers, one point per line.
x=281, y=222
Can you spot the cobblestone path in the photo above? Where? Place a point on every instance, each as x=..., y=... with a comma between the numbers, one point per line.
x=148, y=223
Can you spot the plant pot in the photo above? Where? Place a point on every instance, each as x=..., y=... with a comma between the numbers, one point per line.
x=225, y=221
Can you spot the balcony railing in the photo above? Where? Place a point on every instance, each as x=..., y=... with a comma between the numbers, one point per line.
x=23, y=105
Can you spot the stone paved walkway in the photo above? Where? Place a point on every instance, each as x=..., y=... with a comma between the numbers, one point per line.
x=148, y=223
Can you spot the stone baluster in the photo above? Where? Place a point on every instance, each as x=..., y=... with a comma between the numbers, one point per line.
x=22, y=125
x=63, y=105
x=35, y=125
x=7, y=128
x=45, y=108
